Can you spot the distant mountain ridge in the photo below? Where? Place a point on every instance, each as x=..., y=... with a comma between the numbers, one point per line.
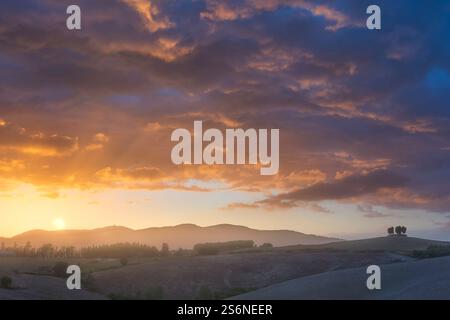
x=181, y=236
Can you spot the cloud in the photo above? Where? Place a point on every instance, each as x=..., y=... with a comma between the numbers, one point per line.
x=51, y=195
x=150, y=14
x=345, y=188
x=240, y=205
x=17, y=139
x=370, y=212
x=133, y=174
x=263, y=205
x=99, y=141
x=233, y=10
x=355, y=119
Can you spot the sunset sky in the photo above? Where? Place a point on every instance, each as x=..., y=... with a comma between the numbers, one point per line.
x=364, y=115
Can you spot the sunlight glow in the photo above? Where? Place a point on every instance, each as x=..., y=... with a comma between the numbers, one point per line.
x=59, y=223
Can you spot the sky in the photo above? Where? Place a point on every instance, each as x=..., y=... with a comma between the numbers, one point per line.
x=86, y=115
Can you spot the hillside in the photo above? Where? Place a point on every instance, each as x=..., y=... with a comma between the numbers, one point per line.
x=422, y=279
x=181, y=236
x=227, y=274
x=393, y=244
x=31, y=287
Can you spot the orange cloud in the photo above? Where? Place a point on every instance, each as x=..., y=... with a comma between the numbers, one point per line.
x=223, y=11
x=99, y=140
x=17, y=139
x=149, y=13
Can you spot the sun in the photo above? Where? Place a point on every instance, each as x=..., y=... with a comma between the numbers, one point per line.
x=59, y=223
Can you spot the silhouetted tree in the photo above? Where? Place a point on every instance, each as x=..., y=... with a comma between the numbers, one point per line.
x=119, y=250
x=165, y=250
x=123, y=261
x=390, y=231
x=217, y=247
x=27, y=249
x=399, y=230
x=70, y=252
x=46, y=251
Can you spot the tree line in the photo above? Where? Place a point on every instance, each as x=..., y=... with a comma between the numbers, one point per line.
x=218, y=247
x=118, y=250
x=125, y=250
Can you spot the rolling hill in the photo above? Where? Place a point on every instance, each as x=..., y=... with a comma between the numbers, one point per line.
x=181, y=236
x=422, y=279
x=393, y=244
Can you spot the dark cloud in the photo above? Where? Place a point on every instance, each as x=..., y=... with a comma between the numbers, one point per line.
x=348, y=187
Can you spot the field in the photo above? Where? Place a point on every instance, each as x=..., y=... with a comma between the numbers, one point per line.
x=393, y=244
x=33, y=278
x=423, y=279
x=225, y=275
x=209, y=277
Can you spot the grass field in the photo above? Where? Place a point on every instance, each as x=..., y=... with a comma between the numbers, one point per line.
x=206, y=277
x=224, y=275
x=423, y=279
x=44, y=266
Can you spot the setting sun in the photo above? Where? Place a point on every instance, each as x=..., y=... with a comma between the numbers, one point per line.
x=59, y=223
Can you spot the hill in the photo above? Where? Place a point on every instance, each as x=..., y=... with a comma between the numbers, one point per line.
x=227, y=275
x=32, y=287
x=182, y=236
x=393, y=244
x=422, y=279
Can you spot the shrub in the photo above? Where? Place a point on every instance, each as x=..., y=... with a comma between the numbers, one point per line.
x=5, y=282
x=432, y=252
x=123, y=261
x=60, y=269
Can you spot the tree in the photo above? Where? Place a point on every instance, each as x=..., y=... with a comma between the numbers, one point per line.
x=165, y=250
x=27, y=249
x=390, y=231
x=399, y=230
x=218, y=247
x=70, y=252
x=124, y=261
x=46, y=251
